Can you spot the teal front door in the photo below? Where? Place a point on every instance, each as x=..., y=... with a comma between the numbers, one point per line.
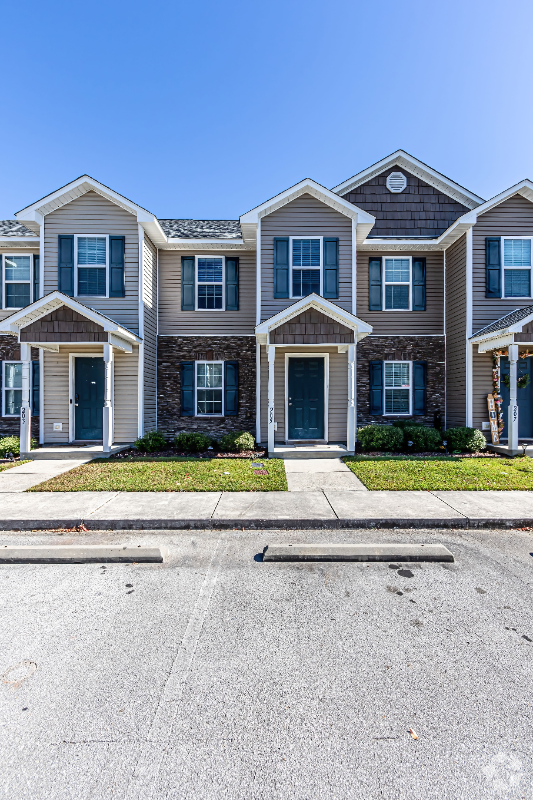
x=524, y=393
x=306, y=398
x=89, y=398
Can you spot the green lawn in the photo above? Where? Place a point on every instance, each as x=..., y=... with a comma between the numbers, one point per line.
x=13, y=464
x=434, y=474
x=170, y=475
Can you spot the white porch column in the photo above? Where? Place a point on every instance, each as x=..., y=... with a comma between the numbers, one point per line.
x=271, y=359
x=108, y=404
x=512, y=420
x=350, y=437
x=25, y=409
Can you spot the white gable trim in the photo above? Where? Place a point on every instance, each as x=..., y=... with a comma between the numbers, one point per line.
x=402, y=159
x=53, y=301
x=360, y=328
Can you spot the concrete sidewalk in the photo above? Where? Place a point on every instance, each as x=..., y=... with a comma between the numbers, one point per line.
x=262, y=510
x=24, y=476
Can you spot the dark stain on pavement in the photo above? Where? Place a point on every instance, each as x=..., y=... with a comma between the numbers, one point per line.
x=406, y=573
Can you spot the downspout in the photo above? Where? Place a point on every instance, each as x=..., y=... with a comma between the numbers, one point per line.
x=257, y=345
x=469, y=353
x=140, y=365
x=445, y=350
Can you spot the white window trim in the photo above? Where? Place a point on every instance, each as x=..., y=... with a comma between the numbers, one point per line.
x=91, y=236
x=196, y=414
x=325, y=356
x=319, y=269
x=395, y=413
x=209, y=283
x=530, y=268
x=4, y=282
x=4, y=388
x=398, y=283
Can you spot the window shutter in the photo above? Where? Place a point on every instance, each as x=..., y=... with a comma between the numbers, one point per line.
x=36, y=278
x=187, y=389
x=35, y=387
x=376, y=387
x=331, y=268
x=65, y=262
x=281, y=267
x=375, y=291
x=232, y=284
x=493, y=279
x=117, y=246
x=187, y=283
x=419, y=284
x=231, y=388
x=419, y=387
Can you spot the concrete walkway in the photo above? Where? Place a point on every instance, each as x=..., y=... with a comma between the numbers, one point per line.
x=304, y=475
x=24, y=476
x=327, y=509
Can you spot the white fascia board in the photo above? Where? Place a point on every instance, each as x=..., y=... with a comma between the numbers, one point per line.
x=442, y=242
x=524, y=188
x=485, y=345
x=207, y=244
x=402, y=159
x=20, y=241
x=319, y=304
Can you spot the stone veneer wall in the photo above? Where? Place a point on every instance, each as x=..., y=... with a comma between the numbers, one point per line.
x=10, y=351
x=401, y=348
x=171, y=350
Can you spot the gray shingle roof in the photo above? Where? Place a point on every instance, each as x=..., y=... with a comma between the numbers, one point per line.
x=201, y=228
x=12, y=227
x=510, y=319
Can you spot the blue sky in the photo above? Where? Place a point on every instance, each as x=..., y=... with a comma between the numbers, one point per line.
x=206, y=109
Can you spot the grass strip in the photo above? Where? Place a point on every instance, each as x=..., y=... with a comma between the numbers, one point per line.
x=13, y=464
x=170, y=475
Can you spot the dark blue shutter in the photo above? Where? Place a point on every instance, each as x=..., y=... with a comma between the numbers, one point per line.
x=376, y=387
x=187, y=389
x=419, y=284
x=231, y=388
x=493, y=279
x=65, y=262
x=419, y=387
x=232, y=284
x=331, y=268
x=281, y=267
x=116, y=266
x=36, y=278
x=187, y=283
x=375, y=290
x=35, y=387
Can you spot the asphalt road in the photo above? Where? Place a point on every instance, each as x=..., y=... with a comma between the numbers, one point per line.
x=215, y=675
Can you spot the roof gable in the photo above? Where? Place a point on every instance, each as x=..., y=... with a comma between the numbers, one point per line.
x=320, y=304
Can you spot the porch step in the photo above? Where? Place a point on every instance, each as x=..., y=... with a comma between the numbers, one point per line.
x=504, y=450
x=61, y=452
x=290, y=451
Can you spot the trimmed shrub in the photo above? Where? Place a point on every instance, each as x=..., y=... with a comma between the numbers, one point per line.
x=423, y=439
x=192, y=442
x=467, y=440
x=380, y=437
x=407, y=423
x=151, y=442
x=237, y=442
x=11, y=444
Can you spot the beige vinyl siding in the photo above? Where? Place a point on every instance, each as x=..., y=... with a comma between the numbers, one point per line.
x=481, y=387
x=337, y=399
x=125, y=392
x=173, y=321
x=5, y=249
x=513, y=217
x=303, y=217
x=403, y=323
x=92, y=214
x=456, y=333
x=150, y=333
x=56, y=394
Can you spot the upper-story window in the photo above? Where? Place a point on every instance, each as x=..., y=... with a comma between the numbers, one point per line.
x=516, y=267
x=306, y=266
x=209, y=283
x=91, y=266
x=17, y=281
x=397, y=285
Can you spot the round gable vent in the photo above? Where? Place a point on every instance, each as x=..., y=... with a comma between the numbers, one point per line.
x=396, y=182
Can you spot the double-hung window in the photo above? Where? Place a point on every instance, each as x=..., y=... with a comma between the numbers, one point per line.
x=209, y=283
x=306, y=266
x=397, y=386
x=397, y=284
x=11, y=388
x=91, y=266
x=209, y=388
x=17, y=281
x=516, y=267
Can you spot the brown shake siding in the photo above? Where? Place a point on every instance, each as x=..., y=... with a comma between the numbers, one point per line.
x=513, y=217
x=305, y=216
x=92, y=214
x=456, y=333
x=150, y=333
x=174, y=321
x=402, y=323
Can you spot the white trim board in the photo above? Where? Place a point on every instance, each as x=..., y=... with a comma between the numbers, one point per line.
x=325, y=356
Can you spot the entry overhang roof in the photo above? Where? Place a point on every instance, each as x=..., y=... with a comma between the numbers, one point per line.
x=340, y=315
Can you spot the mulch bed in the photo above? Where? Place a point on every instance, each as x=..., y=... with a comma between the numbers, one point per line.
x=381, y=453
x=174, y=453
